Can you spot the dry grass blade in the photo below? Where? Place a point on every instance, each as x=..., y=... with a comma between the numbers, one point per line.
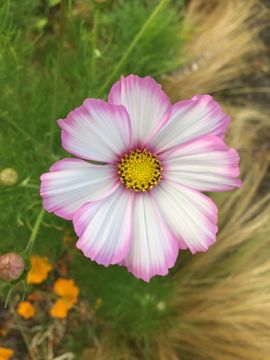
x=223, y=38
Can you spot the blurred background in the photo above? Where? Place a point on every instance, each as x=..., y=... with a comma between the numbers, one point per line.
x=212, y=306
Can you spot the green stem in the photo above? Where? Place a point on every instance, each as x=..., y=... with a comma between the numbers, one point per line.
x=10, y=291
x=34, y=232
x=132, y=45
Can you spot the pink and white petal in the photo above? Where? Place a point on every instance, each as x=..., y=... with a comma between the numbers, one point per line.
x=105, y=227
x=191, y=119
x=192, y=216
x=154, y=249
x=73, y=182
x=204, y=164
x=148, y=106
x=97, y=131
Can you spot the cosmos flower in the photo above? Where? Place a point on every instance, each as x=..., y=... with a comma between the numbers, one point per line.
x=141, y=200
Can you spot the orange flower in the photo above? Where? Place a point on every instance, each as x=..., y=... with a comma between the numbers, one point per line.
x=67, y=289
x=26, y=310
x=5, y=354
x=68, y=292
x=61, y=308
x=40, y=268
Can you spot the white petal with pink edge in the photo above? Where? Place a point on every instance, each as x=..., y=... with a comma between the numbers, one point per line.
x=204, y=164
x=190, y=119
x=105, y=227
x=148, y=106
x=97, y=131
x=154, y=249
x=73, y=182
x=191, y=215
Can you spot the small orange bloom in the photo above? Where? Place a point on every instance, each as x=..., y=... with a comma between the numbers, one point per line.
x=5, y=353
x=40, y=268
x=67, y=289
x=26, y=310
x=61, y=308
x=68, y=292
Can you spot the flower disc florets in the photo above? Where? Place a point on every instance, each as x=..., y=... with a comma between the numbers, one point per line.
x=140, y=170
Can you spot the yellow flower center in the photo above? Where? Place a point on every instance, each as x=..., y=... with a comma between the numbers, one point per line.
x=140, y=170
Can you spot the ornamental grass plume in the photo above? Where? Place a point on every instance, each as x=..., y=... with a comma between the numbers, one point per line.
x=40, y=268
x=220, y=49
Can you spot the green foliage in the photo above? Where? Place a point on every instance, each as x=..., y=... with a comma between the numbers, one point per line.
x=128, y=304
x=52, y=56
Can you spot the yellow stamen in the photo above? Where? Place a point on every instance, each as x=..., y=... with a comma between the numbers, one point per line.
x=140, y=170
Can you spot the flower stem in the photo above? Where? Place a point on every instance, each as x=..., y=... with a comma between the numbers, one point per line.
x=10, y=291
x=132, y=45
x=34, y=232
